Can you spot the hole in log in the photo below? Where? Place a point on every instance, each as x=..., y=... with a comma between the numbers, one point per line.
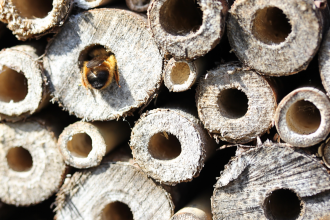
x=164, y=146
x=303, y=117
x=140, y=2
x=13, y=85
x=180, y=17
x=33, y=8
x=19, y=159
x=180, y=73
x=271, y=26
x=117, y=211
x=233, y=103
x=282, y=204
x=80, y=145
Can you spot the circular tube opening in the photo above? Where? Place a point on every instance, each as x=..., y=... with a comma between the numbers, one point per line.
x=32, y=9
x=117, y=211
x=303, y=117
x=80, y=145
x=282, y=204
x=233, y=103
x=180, y=17
x=180, y=73
x=19, y=159
x=13, y=85
x=164, y=146
x=271, y=26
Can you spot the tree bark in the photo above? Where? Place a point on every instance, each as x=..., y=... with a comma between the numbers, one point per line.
x=138, y=5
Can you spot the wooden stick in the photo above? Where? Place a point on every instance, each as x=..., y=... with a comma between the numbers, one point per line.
x=324, y=63
x=170, y=145
x=324, y=152
x=302, y=117
x=84, y=144
x=186, y=29
x=234, y=104
x=272, y=37
x=273, y=181
x=88, y=4
x=138, y=5
x=120, y=33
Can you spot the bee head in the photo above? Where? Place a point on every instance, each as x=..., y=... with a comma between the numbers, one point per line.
x=98, y=78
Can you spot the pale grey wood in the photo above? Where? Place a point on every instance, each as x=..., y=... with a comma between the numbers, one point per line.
x=138, y=5
x=324, y=63
x=324, y=152
x=88, y=4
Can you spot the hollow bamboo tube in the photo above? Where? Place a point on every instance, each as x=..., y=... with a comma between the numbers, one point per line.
x=302, y=117
x=32, y=168
x=138, y=5
x=33, y=18
x=138, y=59
x=23, y=89
x=88, y=4
x=234, y=104
x=187, y=29
x=84, y=144
x=273, y=181
x=272, y=37
x=170, y=145
x=181, y=75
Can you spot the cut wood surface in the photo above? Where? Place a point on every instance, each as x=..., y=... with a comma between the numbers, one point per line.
x=139, y=64
x=324, y=63
x=88, y=4
x=276, y=37
x=138, y=5
x=273, y=181
x=234, y=104
x=302, y=117
x=187, y=29
x=324, y=152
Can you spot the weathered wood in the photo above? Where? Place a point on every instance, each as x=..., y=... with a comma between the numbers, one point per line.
x=138, y=5
x=139, y=63
x=187, y=29
x=324, y=152
x=30, y=19
x=273, y=181
x=276, y=37
x=234, y=104
x=302, y=117
x=88, y=4
x=123, y=192
x=324, y=63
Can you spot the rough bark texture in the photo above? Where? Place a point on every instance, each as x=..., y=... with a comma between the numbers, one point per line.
x=138, y=5
x=28, y=20
x=297, y=121
x=324, y=63
x=88, y=4
x=242, y=190
x=27, y=181
x=116, y=182
x=276, y=37
x=181, y=30
x=138, y=59
x=155, y=156
x=229, y=114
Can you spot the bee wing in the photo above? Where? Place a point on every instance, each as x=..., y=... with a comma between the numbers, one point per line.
x=96, y=61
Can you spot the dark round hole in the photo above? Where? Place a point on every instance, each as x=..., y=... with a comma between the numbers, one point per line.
x=33, y=8
x=180, y=17
x=282, y=204
x=180, y=73
x=303, y=117
x=117, y=211
x=19, y=159
x=164, y=146
x=13, y=85
x=233, y=103
x=80, y=145
x=271, y=26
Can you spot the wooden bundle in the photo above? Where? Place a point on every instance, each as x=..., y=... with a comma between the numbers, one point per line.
x=138, y=5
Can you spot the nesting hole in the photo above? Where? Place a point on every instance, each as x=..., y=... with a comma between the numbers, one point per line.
x=19, y=159
x=80, y=145
x=117, y=211
x=282, y=204
x=90, y=52
x=271, y=26
x=180, y=17
x=164, y=146
x=233, y=103
x=180, y=73
x=303, y=117
x=33, y=8
x=13, y=85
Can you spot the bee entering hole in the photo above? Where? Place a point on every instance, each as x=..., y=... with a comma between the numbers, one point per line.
x=180, y=73
x=164, y=146
x=233, y=103
x=80, y=145
x=303, y=117
x=13, y=85
x=180, y=17
x=282, y=204
x=32, y=9
x=19, y=159
x=117, y=211
x=271, y=26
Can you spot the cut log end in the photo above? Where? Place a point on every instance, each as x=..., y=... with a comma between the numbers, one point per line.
x=138, y=5
x=88, y=4
x=324, y=62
